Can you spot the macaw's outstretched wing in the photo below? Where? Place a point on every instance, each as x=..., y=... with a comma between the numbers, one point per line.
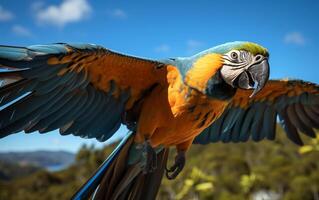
x=296, y=103
x=80, y=89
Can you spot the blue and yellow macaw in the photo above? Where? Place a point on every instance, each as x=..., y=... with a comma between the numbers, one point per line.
x=221, y=94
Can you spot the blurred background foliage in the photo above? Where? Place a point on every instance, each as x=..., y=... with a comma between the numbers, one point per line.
x=265, y=170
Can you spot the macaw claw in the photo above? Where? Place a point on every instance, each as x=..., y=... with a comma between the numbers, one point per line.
x=150, y=156
x=178, y=166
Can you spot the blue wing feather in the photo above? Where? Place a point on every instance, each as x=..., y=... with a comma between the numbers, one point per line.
x=55, y=99
x=258, y=120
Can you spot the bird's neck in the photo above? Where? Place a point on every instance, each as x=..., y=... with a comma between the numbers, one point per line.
x=217, y=88
x=202, y=70
x=181, y=93
x=204, y=76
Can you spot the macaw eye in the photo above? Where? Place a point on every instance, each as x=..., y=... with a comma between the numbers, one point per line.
x=234, y=55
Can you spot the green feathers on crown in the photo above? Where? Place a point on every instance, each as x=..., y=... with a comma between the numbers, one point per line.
x=253, y=48
x=238, y=45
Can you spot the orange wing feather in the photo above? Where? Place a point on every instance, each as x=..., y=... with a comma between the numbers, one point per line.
x=82, y=90
x=127, y=72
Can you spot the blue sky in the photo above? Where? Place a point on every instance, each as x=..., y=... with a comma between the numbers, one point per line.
x=289, y=29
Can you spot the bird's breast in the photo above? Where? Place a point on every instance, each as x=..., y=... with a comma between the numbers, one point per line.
x=177, y=113
x=192, y=111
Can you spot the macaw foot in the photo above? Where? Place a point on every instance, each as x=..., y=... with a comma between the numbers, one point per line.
x=178, y=166
x=150, y=156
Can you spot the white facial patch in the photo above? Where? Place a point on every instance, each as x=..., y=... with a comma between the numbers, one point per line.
x=235, y=63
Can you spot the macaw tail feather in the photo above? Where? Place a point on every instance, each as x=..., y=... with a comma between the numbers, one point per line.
x=117, y=179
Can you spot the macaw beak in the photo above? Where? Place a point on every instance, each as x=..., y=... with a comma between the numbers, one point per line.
x=255, y=77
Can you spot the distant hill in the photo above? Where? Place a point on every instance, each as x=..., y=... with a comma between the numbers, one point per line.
x=45, y=159
x=266, y=170
x=9, y=171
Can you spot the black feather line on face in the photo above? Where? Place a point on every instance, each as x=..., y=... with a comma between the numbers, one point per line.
x=217, y=88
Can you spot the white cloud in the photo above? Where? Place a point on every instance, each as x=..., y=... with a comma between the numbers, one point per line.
x=193, y=45
x=5, y=15
x=163, y=48
x=294, y=38
x=67, y=12
x=118, y=13
x=21, y=31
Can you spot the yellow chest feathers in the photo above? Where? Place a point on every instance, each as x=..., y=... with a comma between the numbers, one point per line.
x=189, y=105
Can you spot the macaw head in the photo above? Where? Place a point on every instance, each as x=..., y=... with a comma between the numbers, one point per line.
x=238, y=64
x=245, y=66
